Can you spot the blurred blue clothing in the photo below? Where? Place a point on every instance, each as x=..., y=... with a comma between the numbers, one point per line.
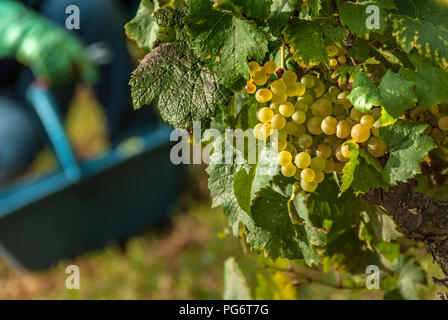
x=102, y=22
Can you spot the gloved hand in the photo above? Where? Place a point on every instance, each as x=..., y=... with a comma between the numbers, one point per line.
x=49, y=50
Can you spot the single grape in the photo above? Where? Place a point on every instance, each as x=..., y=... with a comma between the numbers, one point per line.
x=318, y=164
x=279, y=145
x=332, y=50
x=257, y=131
x=289, y=76
x=284, y=158
x=278, y=122
x=307, y=175
x=300, y=130
x=274, y=106
x=266, y=130
x=260, y=78
x=301, y=106
x=320, y=177
x=279, y=98
x=282, y=135
x=289, y=170
x=302, y=160
x=328, y=96
x=250, y=88
x=329, y=125
x=319, y=90
x=270, y=67
x=287, y=109
x=339, y=167
x=334, y=91
x=254, y=66
x=329, y=166
x=306, y=98
x=308, y=186
x=339, y=155
x=376, y=113
x=356, y=115
x=339, y=110
x=343, y=100
x=323, y=150
x=305, y=141
x=278, y=87
x=443, y=123
x=299, y=117
x=308, y=81
x=376, y=147
x=342, y=60
x=367, y=120
x=314, y=125
x=333, y=62
x=345, y=151
x=295, y=89
x=265, y=114
x=291, y=128
x=321, y=108
x=263, y=95
x=360, y=133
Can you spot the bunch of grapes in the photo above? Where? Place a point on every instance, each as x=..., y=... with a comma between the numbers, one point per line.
x=314, y=122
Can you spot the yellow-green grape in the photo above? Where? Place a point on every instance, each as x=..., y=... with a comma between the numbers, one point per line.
x=265, y=114
x=254, y=66
x=339, y=110
x=376, y=147
x=287, y=109
x=376, y=113
x=257, y=131
x=313, y=125
x=376, y=128
x=332, y=50
x=308, y=186
x=263, y=95
x=302, y=106
x=299, y=117
x=302, y=160
x=356, y=115
x=294, y=89
x=289, y=76
x=274, y=106
x=338, y=167
x=329, y=125
x=333, y=62
x=339, y=155
x=279, y=145
x=319, y=90
x=321, y=108
x=279, y=98
x=334, y=91
x=328, y=96
x=318, y=164
x=305, y=141
x=360, y=133
x=367, y=120
x=278, y=87
x=343, y=100
x=297, y=175
x=266, y=130
x=307, y=175
x=270, y=67
x=300, y=130
x=323, y=150
x=306, y=98
x=282, y=135
x=345, y=151
x=342, y=60
x=329, y=166
x=308, y=81
x=319, y=176
x=278, y=122
x=443, y=123
x=289, y=170
x=250, y=88
x=291, y=128
x=284, y=158
x=260, y=78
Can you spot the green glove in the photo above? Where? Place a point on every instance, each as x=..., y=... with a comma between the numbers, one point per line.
x=50, y=51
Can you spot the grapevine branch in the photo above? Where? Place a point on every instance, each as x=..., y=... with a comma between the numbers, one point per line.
x=419, y=217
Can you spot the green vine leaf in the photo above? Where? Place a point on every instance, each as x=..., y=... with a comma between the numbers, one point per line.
x=255, y=9
x=354, y=16
x=364, y=94
x=409, y=144
x=350, y=167
x=143, y=29
x=185, y=88
x=224, y=42
x=306, y=41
